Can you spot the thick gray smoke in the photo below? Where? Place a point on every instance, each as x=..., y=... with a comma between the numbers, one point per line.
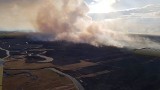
x=68, y=20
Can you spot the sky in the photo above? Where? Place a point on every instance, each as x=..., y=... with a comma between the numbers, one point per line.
x=138, y=16
x=119, y=4
x=133, y=16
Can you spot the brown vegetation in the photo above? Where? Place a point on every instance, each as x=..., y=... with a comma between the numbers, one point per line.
x=43, y=79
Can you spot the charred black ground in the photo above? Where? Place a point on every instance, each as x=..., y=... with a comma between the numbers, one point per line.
x=112, y=68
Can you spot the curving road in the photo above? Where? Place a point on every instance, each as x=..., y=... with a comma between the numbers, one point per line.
x=76, y=83
x=1, y=66
x=49, y=59
x=7, y=52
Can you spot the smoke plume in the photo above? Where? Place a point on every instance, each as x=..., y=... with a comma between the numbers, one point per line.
x=68, y=20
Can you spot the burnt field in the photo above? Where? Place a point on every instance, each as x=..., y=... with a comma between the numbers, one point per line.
x=96, y=68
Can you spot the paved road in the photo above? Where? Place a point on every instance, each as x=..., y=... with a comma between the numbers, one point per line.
x=1, y=72
x=48, y=59
x=1, y=66
x=76, y=83
x=7, y=53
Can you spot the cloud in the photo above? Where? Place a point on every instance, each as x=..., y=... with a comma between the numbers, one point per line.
x=144, y=20
x=101, y=6
x=152, y=9
x=135, y=25
x=126, y=4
